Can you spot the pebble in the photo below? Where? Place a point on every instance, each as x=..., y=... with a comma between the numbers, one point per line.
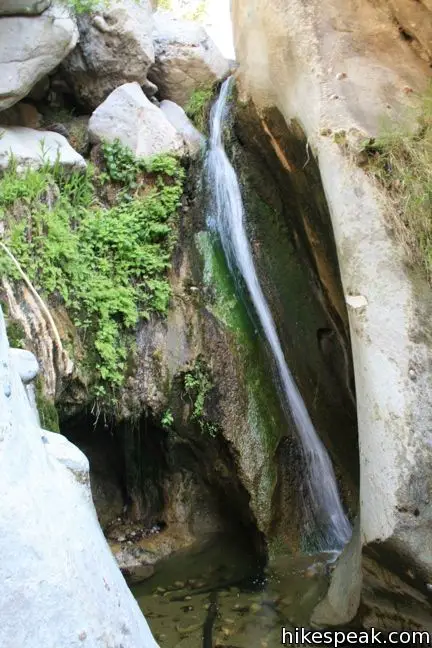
x=341, y=75
x=188, y=629
x=121, y=538
x=255, y=607
x=179, y=584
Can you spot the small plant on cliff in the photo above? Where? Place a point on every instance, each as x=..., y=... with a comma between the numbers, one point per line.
x=401, y=160
x=107, y=264
x=198, y=107
x=167, y=419
x=197, y=385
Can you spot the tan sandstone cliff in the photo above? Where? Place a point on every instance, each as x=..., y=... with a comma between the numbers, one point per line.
x=337, y=66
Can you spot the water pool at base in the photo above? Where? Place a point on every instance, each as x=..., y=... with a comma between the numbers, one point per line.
x=216, y=595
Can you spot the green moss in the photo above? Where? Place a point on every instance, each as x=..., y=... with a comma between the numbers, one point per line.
x=198, y=107
x=48, y=414
x=16, y=334
x=265, y=418
x=107, y=263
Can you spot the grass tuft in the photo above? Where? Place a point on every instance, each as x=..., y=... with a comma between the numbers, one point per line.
x=401, y=160
x=198, y=107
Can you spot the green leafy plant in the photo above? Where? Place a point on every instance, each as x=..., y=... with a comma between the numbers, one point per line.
x=198, y=14
x=85, y=6
x=198, y=106
x=401, y=160
x=167, y=419
x=108, y=264
x=197, y=385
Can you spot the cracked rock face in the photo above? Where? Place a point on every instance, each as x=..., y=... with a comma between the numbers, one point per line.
x=30, y=48
x=186, y=59
x=115, y=47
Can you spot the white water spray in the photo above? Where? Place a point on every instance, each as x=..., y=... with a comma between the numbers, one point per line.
x=324, y=514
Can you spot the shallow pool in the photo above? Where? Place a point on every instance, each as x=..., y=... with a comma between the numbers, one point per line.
x=218, y=595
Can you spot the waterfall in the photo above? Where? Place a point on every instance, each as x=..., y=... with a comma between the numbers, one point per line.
x=323, y=512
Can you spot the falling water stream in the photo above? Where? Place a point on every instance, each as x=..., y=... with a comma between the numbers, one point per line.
x=323, y=514
x=217, y=593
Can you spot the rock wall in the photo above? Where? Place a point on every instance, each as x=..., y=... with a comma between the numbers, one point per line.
x=56, y=563
x=342, y=66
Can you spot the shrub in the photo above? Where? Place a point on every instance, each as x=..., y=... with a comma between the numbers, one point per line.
x=107, y=264
x=197, y=385
x=85, y=6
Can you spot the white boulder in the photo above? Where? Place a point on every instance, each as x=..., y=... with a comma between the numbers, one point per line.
x=186, y=58
x=115, y=47
x=60, y=585
x=129, y=116
x=33, y=148
x=177, y=117
x=25, y=363
x=30, y=48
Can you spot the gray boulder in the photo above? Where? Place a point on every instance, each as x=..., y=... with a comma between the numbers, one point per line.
x=115, y=47
x=186, y=58
x=32, y=148
x=181, y=122
x=30, y=48
x=23, y=7
x=129, y=116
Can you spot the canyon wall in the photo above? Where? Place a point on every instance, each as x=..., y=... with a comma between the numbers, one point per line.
x=338, y=69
